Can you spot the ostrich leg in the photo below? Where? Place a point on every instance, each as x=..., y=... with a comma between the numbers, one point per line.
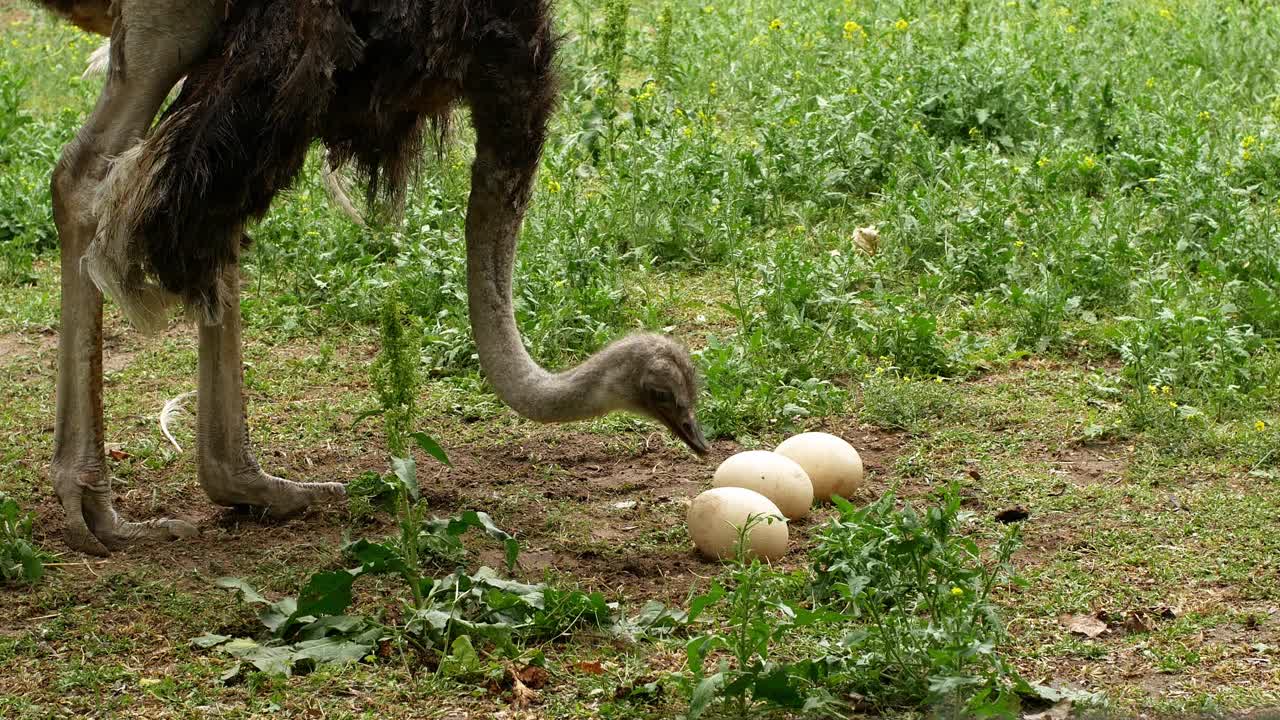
x=228, y=471
x=150, y=57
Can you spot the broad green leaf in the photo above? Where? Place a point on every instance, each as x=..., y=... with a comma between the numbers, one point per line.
x=529, y=594
x=947, y=684
x=406, y=471
x=431, y=447
x=800, y=617
x=377, y=558
x=273, y=660
x=705, y=600
x=275, y=617
x=739, y=686
x=209, y=640
x=779, y=688
x=270, y=660
x=1004, y=705
x=1049, y=694
x=247, y=591
x=332, y=624
x=655, y=614
x=326, y=593
x=459, y=525
x=330, y=650
x=32, y=567
x=462, y=658
x=437, y=619
x=704, y=693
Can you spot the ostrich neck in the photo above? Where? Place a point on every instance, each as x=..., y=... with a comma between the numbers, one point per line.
x=494, y=214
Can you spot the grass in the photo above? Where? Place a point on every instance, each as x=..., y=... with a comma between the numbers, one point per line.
x=1073, y=308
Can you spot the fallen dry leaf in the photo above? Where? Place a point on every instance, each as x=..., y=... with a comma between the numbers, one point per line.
x=533, y=676
x=591, y=668
x=1087, y=625
x=117, y=454
x=1137, y=622
x=521, y=695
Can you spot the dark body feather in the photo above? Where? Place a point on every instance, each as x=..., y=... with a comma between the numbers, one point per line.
x=367, y=78
x=90, y=15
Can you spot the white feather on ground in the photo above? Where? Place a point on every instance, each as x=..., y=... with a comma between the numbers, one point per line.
x=172, y=409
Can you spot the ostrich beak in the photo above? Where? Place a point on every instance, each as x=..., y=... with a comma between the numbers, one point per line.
x=688, y=430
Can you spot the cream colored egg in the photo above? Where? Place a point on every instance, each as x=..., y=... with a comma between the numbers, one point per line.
x=772, y=475
x=833, y=466
x=716, y=516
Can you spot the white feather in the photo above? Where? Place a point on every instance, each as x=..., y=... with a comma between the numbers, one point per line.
x=172, y=409
x=99, y=61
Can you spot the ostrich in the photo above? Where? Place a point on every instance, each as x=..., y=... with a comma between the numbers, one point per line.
x=152, y=216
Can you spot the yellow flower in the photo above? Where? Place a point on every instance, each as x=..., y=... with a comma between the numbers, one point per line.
x=775, y=24
x=1173, y=405
x=1249, y=141
x=853, y=29
x=553, y=186
x=1166, y=13
x=712, y=89
x=1151, y=82
x=1204, y=116
x=1072, y=28
x=1088, y=163
x=957, y=591
x=1018, y=243
x=1259, y=426
x=1042, y=162
x=687, y=131
x=708, y=9
x=1166, y=389
x=901, y=25
x=1152, y=388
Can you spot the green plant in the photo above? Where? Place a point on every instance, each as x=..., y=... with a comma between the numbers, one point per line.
x=892, y=400
x=662, y=51
x=613, y=40
x=11, y=116
x=315, y=628
x=21, y=561
x=395, y=374
x=755, y=620
x=924, y=595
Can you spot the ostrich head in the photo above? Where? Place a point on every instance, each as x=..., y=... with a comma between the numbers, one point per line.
x=654, y=376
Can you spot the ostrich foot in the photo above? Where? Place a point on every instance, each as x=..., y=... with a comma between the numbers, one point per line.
x=93, y=526
x=277, y=497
